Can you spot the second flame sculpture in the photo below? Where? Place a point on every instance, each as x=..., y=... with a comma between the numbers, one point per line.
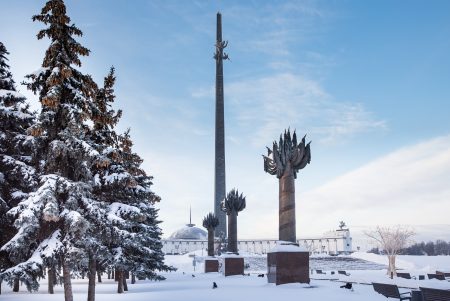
x=284, y=160
x=231, y=205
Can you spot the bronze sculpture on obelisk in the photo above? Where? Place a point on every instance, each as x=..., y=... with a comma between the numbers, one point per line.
x=219, y=176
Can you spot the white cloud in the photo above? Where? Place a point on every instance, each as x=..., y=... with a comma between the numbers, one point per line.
x=273, y=43
x=273, y=28
x=408, y=186
x=272, y=103
x=269, y=104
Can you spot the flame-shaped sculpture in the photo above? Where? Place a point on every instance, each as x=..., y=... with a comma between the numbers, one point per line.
x=284, y=160
x=210, y=222
x=231, y=205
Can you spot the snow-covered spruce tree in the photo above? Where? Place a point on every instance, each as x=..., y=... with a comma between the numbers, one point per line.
x=104, y=139
x=17, y=175
x=136, y=237
x=133, y=236
x=52, y=223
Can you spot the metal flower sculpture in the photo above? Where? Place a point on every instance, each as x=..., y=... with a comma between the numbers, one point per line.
x=210, y=222
x=284, y=160
x=231, y=205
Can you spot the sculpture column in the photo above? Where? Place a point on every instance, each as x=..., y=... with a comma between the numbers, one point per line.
x=287, y=262
x=286, y=225
x=232, y=205
x=210, y=222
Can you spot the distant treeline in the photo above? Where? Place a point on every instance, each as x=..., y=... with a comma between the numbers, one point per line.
x=440, y=247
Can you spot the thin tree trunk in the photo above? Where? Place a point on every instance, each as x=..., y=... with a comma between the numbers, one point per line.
x=113, y=274
x=1, y=286
x=51, y=278
x=391, y=268
x=232, y=232
x=119, y=275
x=68, y=295
x=210, y=242
x=59, y=271
x=116, y=275
x=55, y=279
x=16, y=285
x=100, y=271
x=109, y=273
x=92, y=274
x=133, y=278
x=287, y=206
x=125, y=285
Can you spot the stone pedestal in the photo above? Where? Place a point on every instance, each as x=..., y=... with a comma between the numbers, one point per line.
x=288, y=267
x=233, y=266
x=211, y=265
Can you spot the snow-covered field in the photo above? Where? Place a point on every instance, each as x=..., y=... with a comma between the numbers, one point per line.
x=181, y=285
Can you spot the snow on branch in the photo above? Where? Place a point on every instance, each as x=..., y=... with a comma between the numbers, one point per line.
x=118, y=211
x=391, y=239
x=9, y=93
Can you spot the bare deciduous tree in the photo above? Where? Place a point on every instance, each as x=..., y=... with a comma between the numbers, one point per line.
x=391, y=240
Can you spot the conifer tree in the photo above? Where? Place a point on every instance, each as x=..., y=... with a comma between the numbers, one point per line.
x=52, y=223
x=93, y=203
x=136, y=237
x=133, y=235
x=104, y=139
x=17, y=175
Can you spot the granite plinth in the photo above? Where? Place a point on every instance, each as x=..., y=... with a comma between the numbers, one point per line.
x=211, y=265
x=288, y=267
x=233, y=266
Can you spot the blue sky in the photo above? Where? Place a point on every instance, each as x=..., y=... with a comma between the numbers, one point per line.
x=368, y=81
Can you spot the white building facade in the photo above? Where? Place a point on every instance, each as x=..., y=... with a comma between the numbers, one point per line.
x=331, y=243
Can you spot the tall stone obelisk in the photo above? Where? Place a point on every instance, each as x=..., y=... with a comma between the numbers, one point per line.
x=219, y=176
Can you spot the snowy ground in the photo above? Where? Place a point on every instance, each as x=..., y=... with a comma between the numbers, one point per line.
x=181, y=285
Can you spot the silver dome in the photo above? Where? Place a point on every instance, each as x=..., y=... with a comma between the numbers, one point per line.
x=189, y=232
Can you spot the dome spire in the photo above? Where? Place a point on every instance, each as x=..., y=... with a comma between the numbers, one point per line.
x=189, y=232
x=190, y=218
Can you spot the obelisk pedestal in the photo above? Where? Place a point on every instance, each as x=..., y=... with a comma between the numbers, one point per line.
x=288, y=263
x=233, y=264
x=211, y=265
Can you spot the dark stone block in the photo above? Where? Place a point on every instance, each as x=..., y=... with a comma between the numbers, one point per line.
x=288, y=267
x=416, y=295
x=211, y=265
x=233, y=266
